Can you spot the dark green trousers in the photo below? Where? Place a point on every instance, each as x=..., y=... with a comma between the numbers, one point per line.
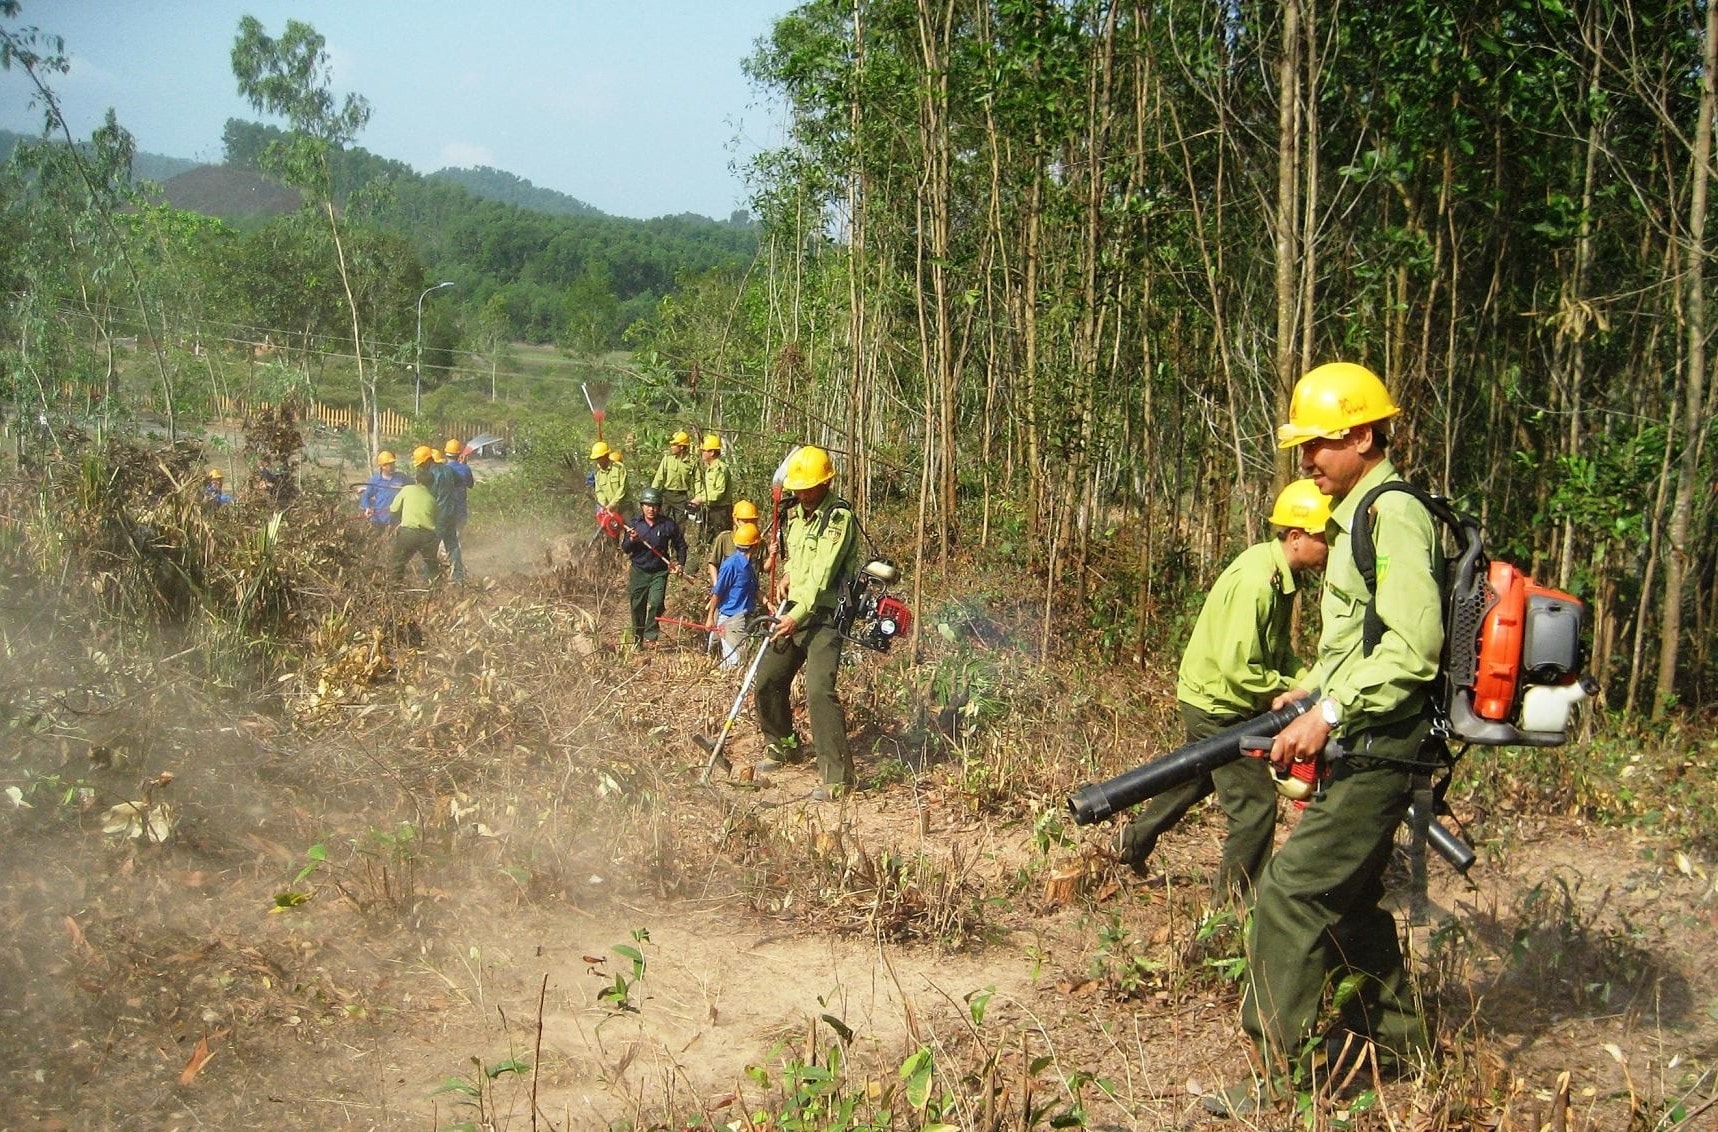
x=410, y=541
x=816, y=649
x=647, y=591
x=1244, y=790
x=1316, y=916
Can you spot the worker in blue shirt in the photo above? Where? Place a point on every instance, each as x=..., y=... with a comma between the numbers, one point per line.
x=735, y=593
x=379, y=491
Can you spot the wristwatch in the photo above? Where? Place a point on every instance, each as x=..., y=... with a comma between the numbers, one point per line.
x=1331, y=712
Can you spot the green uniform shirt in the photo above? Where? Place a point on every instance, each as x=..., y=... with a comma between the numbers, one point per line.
x=415, y=505
x=715, y=483
x=674, y=473
x=720, y=548
x=1239, y=656
x=611, y=484
x=1392, y=683
x=822, y=549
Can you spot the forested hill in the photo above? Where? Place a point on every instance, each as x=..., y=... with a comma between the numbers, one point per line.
x=506, y=188
x=144, y=166
x=541, y=264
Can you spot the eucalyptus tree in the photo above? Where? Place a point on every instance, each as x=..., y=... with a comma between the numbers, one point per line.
x=72, y=195
x=289, y=77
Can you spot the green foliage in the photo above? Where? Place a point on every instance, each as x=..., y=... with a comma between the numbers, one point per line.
x=619, y=994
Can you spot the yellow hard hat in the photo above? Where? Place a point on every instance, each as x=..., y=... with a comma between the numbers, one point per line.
x=384, y=457
x=217, y=474
x=421, y=455
x=1302, y=505
x=454, y=448
x=680, y=438
x=712, y=443
x=1330, y=400
x=745, y=534
x=808, y=467
x=599, y=450
x=746, y=509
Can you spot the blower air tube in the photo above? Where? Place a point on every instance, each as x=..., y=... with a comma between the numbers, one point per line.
x=1098, y=800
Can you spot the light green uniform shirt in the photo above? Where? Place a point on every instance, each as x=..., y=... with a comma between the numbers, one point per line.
x=611, y=484
x=1240, y=656
x=674, y=473
x=1392, y=683
x=415, y=505
x=822, y=550
x=716, y=483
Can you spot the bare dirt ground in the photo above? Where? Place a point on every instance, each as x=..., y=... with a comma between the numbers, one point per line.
x=393, y=892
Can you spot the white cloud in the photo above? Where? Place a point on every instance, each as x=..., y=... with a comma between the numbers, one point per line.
x=464, y=155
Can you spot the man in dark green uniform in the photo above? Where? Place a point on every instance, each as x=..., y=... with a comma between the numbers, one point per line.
x=822, y=553
x=1317, y=918
x=1238, y=660
x=657, y=548
x=675, y=477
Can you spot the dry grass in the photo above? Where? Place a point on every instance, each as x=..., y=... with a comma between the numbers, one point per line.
x=492, y=749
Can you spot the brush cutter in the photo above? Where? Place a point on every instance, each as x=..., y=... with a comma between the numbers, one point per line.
x=759, y=631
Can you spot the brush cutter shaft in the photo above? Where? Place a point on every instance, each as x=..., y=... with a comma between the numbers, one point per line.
x=740, y=699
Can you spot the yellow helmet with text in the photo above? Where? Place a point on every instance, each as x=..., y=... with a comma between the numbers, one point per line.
x=1330, y=400
x=808, y=467
x=1303, y=506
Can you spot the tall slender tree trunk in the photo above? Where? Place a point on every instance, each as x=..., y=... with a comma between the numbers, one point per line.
x=1694, y=376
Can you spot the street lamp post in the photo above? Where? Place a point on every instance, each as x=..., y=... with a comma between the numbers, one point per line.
x=418, y=387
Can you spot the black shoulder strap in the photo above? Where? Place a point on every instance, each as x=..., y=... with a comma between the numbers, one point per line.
x=1464, y=527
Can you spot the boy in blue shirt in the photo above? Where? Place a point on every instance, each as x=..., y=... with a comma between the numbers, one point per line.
x=735, y=593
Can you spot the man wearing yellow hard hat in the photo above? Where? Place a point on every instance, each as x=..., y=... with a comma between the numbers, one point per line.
x=715, y=491
x=379, y=491
x=676, y=474
x=1237, y=661
x=609, y=482
x=822, y=549
x=215, y=488
x=1317, y=920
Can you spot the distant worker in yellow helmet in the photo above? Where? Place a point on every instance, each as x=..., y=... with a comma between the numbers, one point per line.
x=415, y=513
x=609, y=483
x=457, y=483
x=822, y=552
x=745, y=511
x=1237, y=661
x=715, y=493
x=215, y=492
x=379, y=491
x=676, y=475
x=1317, y=917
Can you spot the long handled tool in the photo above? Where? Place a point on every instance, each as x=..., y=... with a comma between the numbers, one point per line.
x=715, y=747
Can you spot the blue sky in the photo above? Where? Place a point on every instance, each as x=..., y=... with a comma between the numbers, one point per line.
x=638, y=107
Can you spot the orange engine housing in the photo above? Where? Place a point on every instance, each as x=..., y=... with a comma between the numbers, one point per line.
x=1502, y=632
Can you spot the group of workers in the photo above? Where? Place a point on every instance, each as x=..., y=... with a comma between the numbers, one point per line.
x=1315, y=917
x=424, y=512
x=815, y=547
x=1316, y=920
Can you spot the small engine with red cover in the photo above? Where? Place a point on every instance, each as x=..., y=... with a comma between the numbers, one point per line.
x=868, y=614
